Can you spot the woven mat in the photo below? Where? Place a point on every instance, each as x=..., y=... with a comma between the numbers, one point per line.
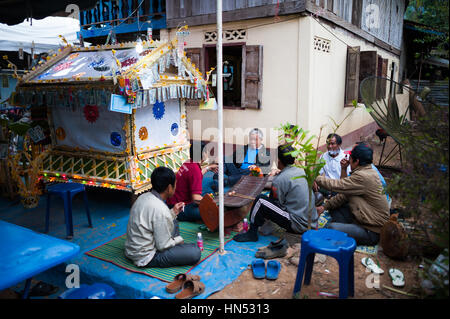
x=370, y=250
x=113, y=252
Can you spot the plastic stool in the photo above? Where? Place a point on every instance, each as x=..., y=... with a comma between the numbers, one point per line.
x=95, y=291
x=332, y=243
x=67, y=191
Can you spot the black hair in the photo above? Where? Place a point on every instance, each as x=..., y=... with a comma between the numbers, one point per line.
x=161, y=178
x=336, y=136
x=194, y=148
x=363, y=153
x=283, y=156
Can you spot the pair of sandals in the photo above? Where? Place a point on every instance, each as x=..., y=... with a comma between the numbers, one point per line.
x=190, y=286
x=398, y=279
x=269, y=271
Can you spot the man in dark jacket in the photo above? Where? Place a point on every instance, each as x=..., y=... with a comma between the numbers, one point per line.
x=245, y=158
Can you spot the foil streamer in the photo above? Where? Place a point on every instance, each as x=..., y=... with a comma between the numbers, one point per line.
x=152, y=96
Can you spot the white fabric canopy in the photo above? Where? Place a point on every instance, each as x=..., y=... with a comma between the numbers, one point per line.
x=43, y=32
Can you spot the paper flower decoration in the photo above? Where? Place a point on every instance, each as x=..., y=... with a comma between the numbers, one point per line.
x=116, y=139
x=143, y=133
x=91, y=113
x=174, y=129
x=256, y=171
x=158, y=110
x=60, y=133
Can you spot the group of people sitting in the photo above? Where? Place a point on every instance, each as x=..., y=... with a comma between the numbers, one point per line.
x=353, y=186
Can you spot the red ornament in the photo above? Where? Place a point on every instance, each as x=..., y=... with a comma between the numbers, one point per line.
x=91, y=113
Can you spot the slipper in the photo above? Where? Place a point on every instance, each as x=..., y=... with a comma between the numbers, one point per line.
x=178, y=282
x=42, y=289
x=398, y=279
x=273, y=269
x=259, y=268
x=370, y=264
x=191, y=288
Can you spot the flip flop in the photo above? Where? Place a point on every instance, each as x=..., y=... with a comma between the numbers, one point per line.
x=42, y=289
x=273, y=269
x=398, y=279
x=370, y=264
x=259, y=268
x=191, y=288
x=178, y=282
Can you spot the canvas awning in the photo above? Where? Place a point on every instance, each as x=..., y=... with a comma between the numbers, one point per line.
x=42, y=35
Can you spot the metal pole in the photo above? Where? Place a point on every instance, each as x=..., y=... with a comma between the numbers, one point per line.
x=220, y=123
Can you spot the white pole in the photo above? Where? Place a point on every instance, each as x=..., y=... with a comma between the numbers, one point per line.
x=220, y=123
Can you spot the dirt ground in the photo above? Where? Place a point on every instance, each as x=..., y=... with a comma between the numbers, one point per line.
x=325, y=277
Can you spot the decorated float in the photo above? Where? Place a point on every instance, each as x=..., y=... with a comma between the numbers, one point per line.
x=115, y=112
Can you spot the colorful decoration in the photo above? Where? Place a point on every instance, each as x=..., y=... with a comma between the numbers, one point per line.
x=60, y=134
x=256, y=171
x=116, y=139
x=158, y=110
x=174, y=129
x=143, y=133
x=91, y=113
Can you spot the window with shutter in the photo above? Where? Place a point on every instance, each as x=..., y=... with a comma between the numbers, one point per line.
x=352, y=75
x=368, y=67
x=252, y=77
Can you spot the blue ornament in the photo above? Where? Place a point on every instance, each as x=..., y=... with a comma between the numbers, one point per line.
x=174, y=129
x=158, y=110
x=116, y=139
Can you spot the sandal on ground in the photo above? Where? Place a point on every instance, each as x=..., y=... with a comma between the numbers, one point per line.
x=178, y=282
x=259, y=269
x=191, y=288
x=370, y=264
x=273, y=269
x=42, y=289
x=398, y=279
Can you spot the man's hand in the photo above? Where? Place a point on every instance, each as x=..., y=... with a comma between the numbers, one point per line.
x=320, y=210
x=252, y=167
x=214, y=168
x=344, y=163
x=178, y=208
x=315, y=187
x=274, y=172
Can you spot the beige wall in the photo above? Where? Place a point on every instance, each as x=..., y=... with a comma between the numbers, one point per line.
x=300, y=85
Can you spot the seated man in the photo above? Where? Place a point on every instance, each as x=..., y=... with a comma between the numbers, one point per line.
x=288, y=205
x=189, y=184
x=253, y=154
x=332, y=157
x=153, y=238
x=359, y=209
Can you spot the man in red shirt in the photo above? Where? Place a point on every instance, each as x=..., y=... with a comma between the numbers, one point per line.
x=189, y=186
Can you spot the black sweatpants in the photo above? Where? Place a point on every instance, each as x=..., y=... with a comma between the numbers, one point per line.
x=266, y=208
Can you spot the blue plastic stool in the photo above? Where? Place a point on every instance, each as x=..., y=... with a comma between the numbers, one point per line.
x=332, y=243
x=67, y=191
x=95, y=291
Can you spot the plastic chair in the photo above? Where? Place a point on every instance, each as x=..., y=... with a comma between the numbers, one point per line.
x=95, y=291
x=332, y=243
x=66, y=191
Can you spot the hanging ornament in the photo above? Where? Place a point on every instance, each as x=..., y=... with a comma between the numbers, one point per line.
x=143, y=133
x=91, y=113
x=116, y=139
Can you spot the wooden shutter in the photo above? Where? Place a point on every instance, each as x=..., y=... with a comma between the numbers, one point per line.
x=381, y=72
x=352, y=75
x=252, y=64
x=368, y=66
x=196, y=57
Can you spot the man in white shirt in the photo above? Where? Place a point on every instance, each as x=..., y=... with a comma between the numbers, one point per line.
x=153, y=238
x=333, y=157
